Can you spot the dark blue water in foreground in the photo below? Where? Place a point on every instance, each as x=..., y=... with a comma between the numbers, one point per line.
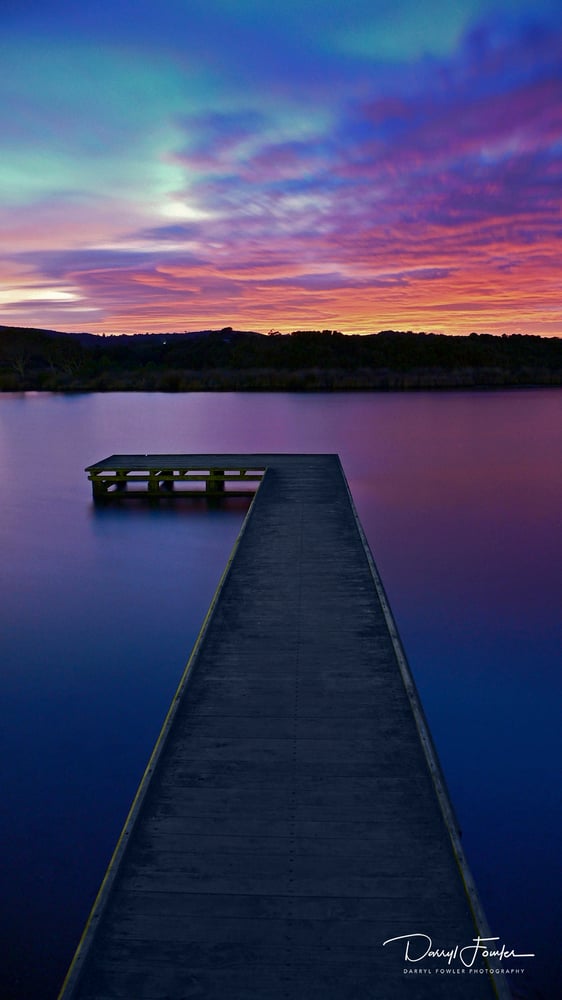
x=460, y=496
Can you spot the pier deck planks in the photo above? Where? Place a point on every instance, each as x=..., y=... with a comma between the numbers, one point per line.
x=289, y=822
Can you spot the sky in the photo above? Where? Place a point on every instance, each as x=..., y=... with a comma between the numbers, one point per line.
x=313, y=164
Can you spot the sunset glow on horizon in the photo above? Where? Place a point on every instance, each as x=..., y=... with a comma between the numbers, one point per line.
x=356, y=166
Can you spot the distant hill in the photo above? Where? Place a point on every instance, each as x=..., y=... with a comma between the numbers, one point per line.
x=305, y=359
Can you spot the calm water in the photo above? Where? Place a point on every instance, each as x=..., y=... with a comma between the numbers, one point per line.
x=460, y=496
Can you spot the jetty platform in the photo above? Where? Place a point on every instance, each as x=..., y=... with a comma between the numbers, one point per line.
x=130, y=476
x=292, y=837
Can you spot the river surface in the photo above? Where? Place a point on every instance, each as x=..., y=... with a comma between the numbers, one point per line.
x=460, y=495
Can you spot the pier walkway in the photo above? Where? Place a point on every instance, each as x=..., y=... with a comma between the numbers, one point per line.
x=292, y=817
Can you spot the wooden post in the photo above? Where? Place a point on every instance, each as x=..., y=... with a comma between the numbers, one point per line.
x=99, y=487
x=168, y=484
x=215, y=481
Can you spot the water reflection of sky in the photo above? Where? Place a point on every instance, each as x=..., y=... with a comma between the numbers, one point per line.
x=460, y=497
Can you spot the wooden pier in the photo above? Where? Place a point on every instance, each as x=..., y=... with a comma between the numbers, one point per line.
x=121, y=476
x=293, y=817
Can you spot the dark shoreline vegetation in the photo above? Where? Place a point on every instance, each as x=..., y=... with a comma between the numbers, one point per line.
x=306, y=360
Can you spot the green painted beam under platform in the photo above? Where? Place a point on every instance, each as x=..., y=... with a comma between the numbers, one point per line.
x=293, y=817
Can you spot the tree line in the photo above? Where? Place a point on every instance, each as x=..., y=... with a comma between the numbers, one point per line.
x=305, y=359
